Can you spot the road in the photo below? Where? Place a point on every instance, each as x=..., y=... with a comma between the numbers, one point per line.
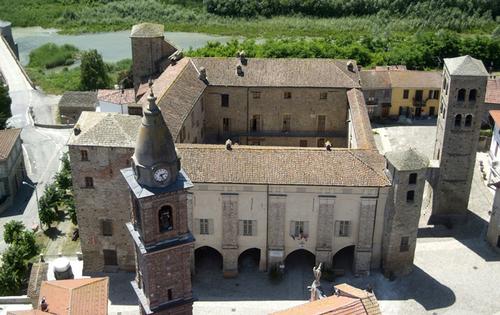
x=42, y=147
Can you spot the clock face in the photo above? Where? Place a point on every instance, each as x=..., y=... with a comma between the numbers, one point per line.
x=161, y=175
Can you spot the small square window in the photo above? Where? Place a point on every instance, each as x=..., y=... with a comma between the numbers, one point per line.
x=410, y=196
x=405, y=244
x=89, y=182
x=256, y=95
x=107, y=227
x=287, y=95
x=224, y=100
x=84, y=154
x=413, y=179
x=204, y=227
x=343, y=228
x=406, y=94
x=303, y=143
x=323, y=95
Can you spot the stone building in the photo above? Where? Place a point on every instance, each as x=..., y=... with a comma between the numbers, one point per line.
x=12, y=171
x=377, y=92
x=73, y=103
x=458, y=126
x=407, y=171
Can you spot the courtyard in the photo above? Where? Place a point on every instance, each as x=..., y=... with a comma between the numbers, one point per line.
x=456, y=272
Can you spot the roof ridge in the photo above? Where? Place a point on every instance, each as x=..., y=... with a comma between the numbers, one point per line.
x=358, y=83
x=123, y=132
x=171, y=83
x=369, y=166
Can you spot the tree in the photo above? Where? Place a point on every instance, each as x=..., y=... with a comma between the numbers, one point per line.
x=94, y=74
x=5, y=102
x=72, y=210
x=496, y=33
x=48, y=205
x=12, y=231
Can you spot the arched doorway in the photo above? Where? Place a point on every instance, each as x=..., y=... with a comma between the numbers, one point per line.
x=249, y=260
x=207, y=259
x=300, y=259
x=299, y=273
x=342, y=261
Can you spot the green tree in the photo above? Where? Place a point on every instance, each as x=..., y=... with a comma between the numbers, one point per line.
x=48, y=205
x=94, y=74
x=5, y=102
x=496, y=33
x=12, y=232
x=70, y=203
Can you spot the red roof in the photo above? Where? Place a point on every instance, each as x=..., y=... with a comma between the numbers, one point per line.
x=493, y=91
x=121, y=97
x=495, y=114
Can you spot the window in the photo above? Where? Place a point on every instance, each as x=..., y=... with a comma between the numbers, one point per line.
x=303, y=143
x=498, y=241
x=461, y=95
x=256, y=95
x=165, y=220
x=169, y=294
x=110, y=258
x=89, y=182
x=405, y=244
x=224, y=100
x=85, y=155
x=248, y=227
x=107, y=227
x=204, y=227
x=137, y=214
x=323, y=95
x=431, y=94
x=472, y=95
x=413, y=179
x=287, y=95
x=321, y=142
x=468, y=120
x=286, y=123
x=436, y=94
x=299, y=229
x=458, y=120
x=410, y=196
x=255, y=123
x=342, y=228
x=419, y=95
x=226, y=124
x=321, y=123
x=406, y=94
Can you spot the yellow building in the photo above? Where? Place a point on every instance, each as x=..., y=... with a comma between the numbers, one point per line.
x=414, y=93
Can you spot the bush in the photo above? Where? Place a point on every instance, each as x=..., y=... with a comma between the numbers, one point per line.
x=51, y=55
x=5, y=102
x=12, y=232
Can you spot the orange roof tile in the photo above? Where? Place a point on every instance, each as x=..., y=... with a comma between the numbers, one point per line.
x=493, y=91
x=495, y=114
x=114, y=96
x=74, y=296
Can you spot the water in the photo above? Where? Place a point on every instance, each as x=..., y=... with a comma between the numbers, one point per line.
x=113, y=46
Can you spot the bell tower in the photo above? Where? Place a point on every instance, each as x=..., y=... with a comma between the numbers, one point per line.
x=159, y=226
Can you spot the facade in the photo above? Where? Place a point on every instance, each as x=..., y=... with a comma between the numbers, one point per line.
x=73, y=103
x=408, y=170
x=458, y=125
x=493, y=233
x=12, y=171
x=495, y=143
x=395, y=92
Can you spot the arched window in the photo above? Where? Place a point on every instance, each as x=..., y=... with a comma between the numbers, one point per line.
x=410, y=196
x=461, y=95
x=458, y=120
x=468, y=120
x=472, y=95
x=413, y=179
x=165, y=219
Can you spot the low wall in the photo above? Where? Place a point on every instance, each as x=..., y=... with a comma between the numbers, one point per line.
x=21, y=299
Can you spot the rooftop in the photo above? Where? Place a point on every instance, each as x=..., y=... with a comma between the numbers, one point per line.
x=279, y=72
x=495, y=114
x=415, y=79
x=360, y=120
x=375, y=79
x=116, y=96
x=493, y=91
x=466, y=66
x=8, y=138
x=78, y=99
x=407, y=160
x=147, y=30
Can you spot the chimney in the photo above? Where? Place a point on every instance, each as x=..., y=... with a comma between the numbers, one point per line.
x=350, y=66
x=203, y=74
x=43, y=305
x=229, y=144
x=77, y=130
x=328, y=146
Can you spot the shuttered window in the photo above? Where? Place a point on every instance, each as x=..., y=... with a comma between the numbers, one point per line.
x=343, y=228
x=204, y=226
x=107, y=227
x=299, y=229
x=247, y=227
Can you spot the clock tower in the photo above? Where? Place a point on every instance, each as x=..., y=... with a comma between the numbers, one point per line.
x=159, y=226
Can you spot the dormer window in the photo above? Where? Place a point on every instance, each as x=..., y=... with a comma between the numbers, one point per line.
x=165, y=219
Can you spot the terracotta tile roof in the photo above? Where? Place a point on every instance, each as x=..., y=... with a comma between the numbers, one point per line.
x=360, y=120
x=8, y=138
x=493, y=91
x=282, y=165
x=351, y=301
x=416, y=79
x=78, y=99
x=279, y=72
x=495, y=114
x=375, y=79
x=106, y=129
x=76, y=296
x=116, y=96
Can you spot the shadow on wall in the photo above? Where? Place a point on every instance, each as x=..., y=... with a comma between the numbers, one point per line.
x=471, y=234
x=120, y=289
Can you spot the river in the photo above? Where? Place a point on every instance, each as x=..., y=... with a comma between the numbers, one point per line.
x=113, y=46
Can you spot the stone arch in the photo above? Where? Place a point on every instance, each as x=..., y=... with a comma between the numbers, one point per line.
x=343, y=260
x=461, y=95
x=458, y=120
x=472, y=95
x=468, y=120
x=249, y=260
x=208, y=259
x=300, y=259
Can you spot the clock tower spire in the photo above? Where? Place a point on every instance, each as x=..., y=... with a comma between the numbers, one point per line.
x=159, y=227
